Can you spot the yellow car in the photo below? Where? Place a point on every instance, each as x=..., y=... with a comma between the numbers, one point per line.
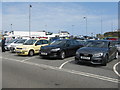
x=31, y=47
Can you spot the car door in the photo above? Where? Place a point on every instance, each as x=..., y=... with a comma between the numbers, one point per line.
x=37, y=46
x=68, y=48
x=40, y=43
x=44, y=42
x=75, y=46
x=71, y=47
x=111, y=50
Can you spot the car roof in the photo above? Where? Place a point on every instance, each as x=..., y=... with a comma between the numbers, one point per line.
x=66, y=39
x=100, y=40
x=37, y=39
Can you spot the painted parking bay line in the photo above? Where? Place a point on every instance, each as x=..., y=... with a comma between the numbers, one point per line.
x=114, y=68
x=109, y=79
x=61, y=66
x=27, y=59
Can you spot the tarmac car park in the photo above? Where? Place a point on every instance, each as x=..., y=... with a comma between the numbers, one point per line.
x=35, y=72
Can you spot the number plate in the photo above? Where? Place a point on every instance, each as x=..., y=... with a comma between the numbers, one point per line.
x=18, y=51
x=42, y=53
x=87, y=58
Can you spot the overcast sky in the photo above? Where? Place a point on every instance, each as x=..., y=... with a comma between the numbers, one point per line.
x=66, y=16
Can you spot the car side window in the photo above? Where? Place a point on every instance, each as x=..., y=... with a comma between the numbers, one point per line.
x=68, y=43
x=75, y=42
x=38, y=42
x=112, y=44
x=44, y=42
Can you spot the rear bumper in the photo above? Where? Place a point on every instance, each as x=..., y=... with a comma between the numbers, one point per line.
x=21, y=52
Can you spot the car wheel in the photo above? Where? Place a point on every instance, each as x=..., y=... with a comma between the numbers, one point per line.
x=31, y=53
x=62, y=55
x=116, y=55
x=104, y=62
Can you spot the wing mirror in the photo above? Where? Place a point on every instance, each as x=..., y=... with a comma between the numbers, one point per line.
x=36, y=44
x=67, y=45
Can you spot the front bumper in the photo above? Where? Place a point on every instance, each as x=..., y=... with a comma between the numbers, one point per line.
x=49, y=54
x=92, y=60
x=21, y=52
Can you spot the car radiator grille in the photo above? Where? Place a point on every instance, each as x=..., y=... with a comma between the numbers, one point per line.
x=86, y=55
x=19, y=48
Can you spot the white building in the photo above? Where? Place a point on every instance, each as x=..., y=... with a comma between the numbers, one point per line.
x=25, y=34
x=64, y=34
x=35, y=34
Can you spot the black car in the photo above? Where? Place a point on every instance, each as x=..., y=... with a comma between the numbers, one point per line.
x=97, y=52
x=60, y=48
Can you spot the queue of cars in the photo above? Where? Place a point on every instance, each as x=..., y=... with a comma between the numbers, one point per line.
x=90, y=51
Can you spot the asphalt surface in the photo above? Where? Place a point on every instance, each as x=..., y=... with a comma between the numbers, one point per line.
x=33, y=72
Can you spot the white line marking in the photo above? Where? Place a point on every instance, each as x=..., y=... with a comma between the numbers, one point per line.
x=70, y=71
x=27, y=59
x=11, y=59
x=114, y=68
x=64, y=64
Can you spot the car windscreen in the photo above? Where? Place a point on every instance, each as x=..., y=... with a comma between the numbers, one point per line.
x=21, y=41
x=29, y=42
x=117, y=42
x=58, y=42
x=99, y=44
x=11, y=41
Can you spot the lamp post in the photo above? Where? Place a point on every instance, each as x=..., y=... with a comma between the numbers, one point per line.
x=85, y=18
x=11, y=27
x=45, y=27
x=101, y=24
x=73, y=26
x=30, y=6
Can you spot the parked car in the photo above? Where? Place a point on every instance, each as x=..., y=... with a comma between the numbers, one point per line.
x=17, y=43
x=60, y=48
x=110, y=38
x=117, y=44
x=97, y=52
x=31, y=47
x=9, y=43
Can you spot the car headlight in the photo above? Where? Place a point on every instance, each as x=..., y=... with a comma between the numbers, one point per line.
x=98, y=55
x=24, y=48
x=56, y=49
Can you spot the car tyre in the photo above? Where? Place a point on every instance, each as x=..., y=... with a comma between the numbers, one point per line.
x=62, y=55
x=104, y=62
x=31, y=53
